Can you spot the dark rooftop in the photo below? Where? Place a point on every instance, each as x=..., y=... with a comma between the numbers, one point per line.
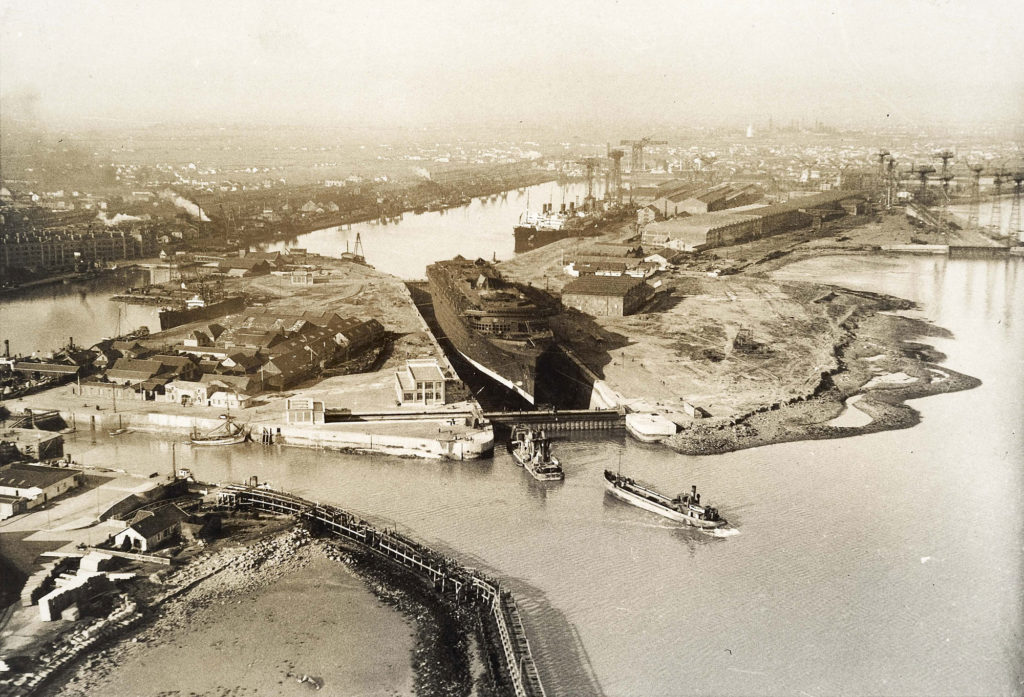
x=601, y=285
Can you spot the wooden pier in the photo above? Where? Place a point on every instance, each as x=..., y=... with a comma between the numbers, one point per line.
x=449, y=578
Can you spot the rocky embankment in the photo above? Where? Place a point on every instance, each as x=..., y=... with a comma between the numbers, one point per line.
x=221, y=605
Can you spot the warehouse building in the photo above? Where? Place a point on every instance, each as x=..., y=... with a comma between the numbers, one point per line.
x=34, y=485
x=606, y=296
x=698, y=232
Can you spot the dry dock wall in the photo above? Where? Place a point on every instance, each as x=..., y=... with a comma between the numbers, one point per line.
x=467, y=446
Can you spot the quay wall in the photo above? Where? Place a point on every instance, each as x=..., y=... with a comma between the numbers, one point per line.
x=468, y=446
x=450, y=579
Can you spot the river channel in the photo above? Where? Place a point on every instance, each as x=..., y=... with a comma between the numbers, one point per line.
x=886, y=564
x=882, y=564
x=44, y=318
x=482, y=228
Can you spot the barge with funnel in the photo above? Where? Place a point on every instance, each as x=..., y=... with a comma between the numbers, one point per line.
x=531, y=450
x=685, y=508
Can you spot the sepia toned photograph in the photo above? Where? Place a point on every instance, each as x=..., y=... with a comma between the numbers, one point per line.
x=511, y=349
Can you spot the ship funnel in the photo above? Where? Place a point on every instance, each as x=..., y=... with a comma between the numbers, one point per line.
x=563, y=208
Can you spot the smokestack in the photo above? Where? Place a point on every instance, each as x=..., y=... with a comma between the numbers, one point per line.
x=7, y=348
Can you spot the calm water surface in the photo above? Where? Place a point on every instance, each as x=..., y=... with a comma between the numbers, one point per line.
x=42, y=319
x=883, y=564
x=483, y=228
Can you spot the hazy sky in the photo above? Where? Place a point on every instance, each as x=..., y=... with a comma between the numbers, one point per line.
x=428, y=61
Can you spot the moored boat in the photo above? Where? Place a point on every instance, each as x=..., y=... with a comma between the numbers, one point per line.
x=685, y=508
x=229, y=433
x=532, y=450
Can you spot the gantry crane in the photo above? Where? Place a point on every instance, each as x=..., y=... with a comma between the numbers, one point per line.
x=636, y=158
x=615, y=184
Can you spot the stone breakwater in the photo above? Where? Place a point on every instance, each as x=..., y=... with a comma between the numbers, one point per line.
x=73, y=645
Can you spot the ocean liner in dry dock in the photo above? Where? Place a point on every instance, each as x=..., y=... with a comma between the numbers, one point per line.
x=498, y=326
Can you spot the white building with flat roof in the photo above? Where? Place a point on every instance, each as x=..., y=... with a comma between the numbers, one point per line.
x=420, y=383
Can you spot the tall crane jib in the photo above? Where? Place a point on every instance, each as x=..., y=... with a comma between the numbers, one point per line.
x=636, y=159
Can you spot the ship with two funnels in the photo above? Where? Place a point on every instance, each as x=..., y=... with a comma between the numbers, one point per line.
x=531, y=450
x=685, y=508
x=499, y=326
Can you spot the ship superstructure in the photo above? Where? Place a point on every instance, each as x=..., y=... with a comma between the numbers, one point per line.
x=499, y=326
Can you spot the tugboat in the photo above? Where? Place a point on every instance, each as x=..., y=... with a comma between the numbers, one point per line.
x=229, y=433
x=685, y=508
x=532, y=451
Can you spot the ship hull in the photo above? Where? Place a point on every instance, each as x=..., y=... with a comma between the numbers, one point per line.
x=514, y=369
x=174, y=318
x=647, y=505
x=528, y=238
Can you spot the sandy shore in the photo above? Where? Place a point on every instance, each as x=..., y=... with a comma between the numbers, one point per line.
x=279, y=609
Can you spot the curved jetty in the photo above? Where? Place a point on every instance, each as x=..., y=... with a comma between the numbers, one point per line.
x=448, y=577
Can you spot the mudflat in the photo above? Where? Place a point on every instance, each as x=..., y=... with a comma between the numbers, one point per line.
x=288, y=627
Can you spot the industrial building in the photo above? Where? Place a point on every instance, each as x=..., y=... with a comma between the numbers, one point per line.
x=33, y=485
x=697, y=232
x=690, y=199
x=59, y=250
x=606, y=296
x=420, y=383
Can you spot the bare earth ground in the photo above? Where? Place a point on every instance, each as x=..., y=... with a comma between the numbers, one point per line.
x=804, y=349
x=280, y=611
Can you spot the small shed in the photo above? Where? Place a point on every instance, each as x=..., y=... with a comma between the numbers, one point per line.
x=147, y=530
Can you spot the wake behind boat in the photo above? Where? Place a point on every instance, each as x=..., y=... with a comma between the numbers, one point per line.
x=227, y=433
x=532, y=450
x=685, y=508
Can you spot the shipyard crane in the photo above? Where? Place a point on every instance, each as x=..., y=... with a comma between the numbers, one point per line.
x=882, y=155
x=945, y=156
x=616, y=174
x=1014, y=230
x=996, y=219
x=636, y=159
x=975, y=203
x=892, y=183
x=922, y=174
x=945, y=178
x=591, y=163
